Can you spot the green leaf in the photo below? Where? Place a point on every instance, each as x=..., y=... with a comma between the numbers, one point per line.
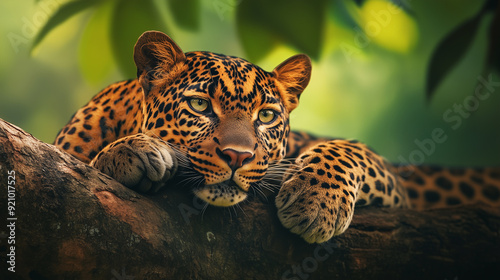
x=404, y=5
x=299, y=24
x=359, y=2
x=339, y=12
x=449, y=51
x=493, y=56
x=95, y=55
x=256, y=40
x=129, y=20
x=64, y=12
x=186, y=13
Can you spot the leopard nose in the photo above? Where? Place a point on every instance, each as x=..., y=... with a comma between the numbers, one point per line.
x=235, y=159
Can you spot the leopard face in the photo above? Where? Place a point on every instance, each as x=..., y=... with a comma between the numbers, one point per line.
x=229, y=116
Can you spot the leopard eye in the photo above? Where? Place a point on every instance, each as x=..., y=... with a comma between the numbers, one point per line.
x=267, y=116
x=198, y=104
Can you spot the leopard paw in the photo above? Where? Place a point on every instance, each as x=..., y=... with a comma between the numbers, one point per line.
x=139, y=162
x=316, y=210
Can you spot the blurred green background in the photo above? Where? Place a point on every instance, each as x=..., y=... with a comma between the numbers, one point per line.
x=369, y=69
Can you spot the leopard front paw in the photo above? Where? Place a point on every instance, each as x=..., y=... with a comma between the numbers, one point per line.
x=314, y=209
x=139, y=162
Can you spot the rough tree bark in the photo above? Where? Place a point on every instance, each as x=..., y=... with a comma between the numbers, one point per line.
x=73, y=222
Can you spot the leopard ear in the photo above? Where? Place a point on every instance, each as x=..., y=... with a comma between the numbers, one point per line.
x=293, y=75
x=156, y=56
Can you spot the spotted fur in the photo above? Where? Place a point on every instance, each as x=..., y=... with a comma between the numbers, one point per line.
x=222, y=124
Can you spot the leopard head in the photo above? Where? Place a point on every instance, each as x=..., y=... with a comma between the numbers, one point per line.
x=228, y=115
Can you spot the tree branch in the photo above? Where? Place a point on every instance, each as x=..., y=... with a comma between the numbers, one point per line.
x=74, y=222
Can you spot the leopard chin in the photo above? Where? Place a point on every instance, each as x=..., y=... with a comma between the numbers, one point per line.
x=223, y=194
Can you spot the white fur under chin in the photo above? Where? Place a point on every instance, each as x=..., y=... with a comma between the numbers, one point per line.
x=221, y=195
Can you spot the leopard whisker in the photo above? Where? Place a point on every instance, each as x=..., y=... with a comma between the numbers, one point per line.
x=193, y=181
x=269, y=186
x=272, y=185
x=204, y=209
x=263, y=196
x=239, y=207
x=257, y=189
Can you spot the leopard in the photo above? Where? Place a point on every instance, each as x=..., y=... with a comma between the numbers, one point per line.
x=222, y=124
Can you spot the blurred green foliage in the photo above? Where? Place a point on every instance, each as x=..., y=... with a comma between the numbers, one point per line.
x=299, y=24
x=369, y=74
x=456, y=44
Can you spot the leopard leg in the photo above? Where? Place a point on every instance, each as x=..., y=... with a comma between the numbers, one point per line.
x=139, y=162
x=318, y=200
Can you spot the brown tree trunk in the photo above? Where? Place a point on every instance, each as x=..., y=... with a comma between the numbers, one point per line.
x=71, y=222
